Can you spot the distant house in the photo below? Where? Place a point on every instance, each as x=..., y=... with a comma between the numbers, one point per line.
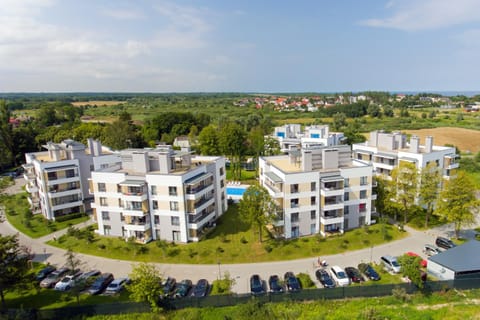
x=461, y=262
x=182, y=142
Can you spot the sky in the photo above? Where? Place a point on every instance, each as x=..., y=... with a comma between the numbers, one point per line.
x=239, y=46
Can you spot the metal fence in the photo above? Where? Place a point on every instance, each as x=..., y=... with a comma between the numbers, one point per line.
x=230, y=300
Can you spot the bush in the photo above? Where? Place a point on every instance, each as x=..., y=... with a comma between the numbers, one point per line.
x=268, y=248
x=305, y=281
x=101, y=246
x=70, y=216
x=243, y=240
x=401, y=294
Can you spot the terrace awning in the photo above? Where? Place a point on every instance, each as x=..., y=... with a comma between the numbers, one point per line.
x=273, y=177
x=132, y=183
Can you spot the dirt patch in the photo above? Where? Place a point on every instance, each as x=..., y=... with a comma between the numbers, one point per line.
x=97, y=103
x=464, y=139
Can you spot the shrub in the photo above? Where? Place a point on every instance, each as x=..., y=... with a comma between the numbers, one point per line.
x=243, y=240
x=268, y=248
x=305, y=281
x=219, y=250
x=102, y=246
x=70, y=216
x=172, y=252
x=401, y=294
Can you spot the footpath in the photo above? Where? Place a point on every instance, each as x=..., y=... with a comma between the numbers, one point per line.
x=240, y=272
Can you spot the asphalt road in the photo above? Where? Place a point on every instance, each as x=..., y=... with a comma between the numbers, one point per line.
x=240, y=272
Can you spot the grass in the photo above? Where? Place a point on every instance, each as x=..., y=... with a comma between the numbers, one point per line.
x=247, y=177
x=16, y=205
x=232, y=241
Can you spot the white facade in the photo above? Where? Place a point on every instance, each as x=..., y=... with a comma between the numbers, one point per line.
x=57, y=179
x=290, y=136
x=386, y=150
x=318, y=190
x=160, y=194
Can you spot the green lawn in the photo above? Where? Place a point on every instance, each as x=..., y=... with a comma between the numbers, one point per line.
x=232, y=241
x=16, y=205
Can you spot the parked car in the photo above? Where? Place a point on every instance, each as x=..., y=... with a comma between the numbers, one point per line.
x=183, y=288
x=368, y=271
x=291, y=282
x=53, y=278
x=68, y=281
x=390, y=264
x=256, y=285
x=423, y=262
x=430, y=249
x=274, y=284
x=86, y=279
x=444, y=243
x=100, y=283
x=200, y=289
x=42, y=274
x=116, y=285
x=168, y=286
x=339, y=276
x=324, y=278
x=354, y=274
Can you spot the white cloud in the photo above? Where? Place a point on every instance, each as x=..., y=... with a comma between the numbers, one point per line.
x=413, y=15
x=124, y=14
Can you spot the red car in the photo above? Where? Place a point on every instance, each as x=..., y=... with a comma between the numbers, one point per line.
x=423, y=263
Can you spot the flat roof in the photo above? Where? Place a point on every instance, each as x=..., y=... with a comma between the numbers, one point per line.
x=462, y=258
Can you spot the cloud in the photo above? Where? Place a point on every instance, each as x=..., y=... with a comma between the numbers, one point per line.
x=124, y=14
x=413, y=15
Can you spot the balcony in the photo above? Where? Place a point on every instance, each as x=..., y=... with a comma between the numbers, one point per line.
x=137, y=227
x=29, y=176
x=31, y=188
x=195, y=222
x=56, y=194
x=198, y=193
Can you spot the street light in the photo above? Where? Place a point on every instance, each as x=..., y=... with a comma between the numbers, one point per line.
x=371, y=254
x=219, y=274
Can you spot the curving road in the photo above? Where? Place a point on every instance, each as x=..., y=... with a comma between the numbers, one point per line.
x=240, y=272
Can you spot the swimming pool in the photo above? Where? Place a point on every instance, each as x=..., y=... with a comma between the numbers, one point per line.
x=236, y=191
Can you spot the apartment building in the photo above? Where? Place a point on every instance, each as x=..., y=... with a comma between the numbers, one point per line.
x=159, y=194
x=385, y=151
x=291, y=136
x=57, y=179
x=318, y=190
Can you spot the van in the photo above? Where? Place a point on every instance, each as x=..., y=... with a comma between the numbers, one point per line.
x=390, y=263
x=340, y=276
x=444, y=243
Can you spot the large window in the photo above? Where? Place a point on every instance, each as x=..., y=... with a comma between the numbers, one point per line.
x=346, y=196
x=362, y=207
x=313, y=215
x=363, y=194
x=154, y=190
x=173, y=206
x=346, y=182
x=294, y=217
x=313, y=228
x=155, y=204
x=103, y=201
x=312, y=201
x=363, y=181
x=313, y=186
x=294, y=203
x=101, y=187
x=175, y=221
x=105, y=215
x=294, y=188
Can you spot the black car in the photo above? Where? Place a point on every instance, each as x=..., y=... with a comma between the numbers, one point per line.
x=183, y=288
x=324, y=278
x=368, y=271
x=200, y=289
x=100, y=283
x=168, y=286
x=354, y=274
x=291, y=282
x=42, y=274
x=256, y=285
x=444, y=243
x=274, y=284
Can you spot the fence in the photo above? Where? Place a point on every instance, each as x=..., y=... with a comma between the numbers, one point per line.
x=230, y=300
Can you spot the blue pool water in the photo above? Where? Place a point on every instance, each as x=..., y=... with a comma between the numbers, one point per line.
x=235, y=191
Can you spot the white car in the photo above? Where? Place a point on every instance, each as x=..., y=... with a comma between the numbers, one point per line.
x=67, y=282
x=340, y=276
x=116, y=285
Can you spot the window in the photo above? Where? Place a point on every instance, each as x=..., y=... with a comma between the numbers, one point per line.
x=312, y=201
x=295, y=232
x=106, y=230
x=294, y=217
x=346, y=210
x=176, y=235
x=313, y=228
x=155, y=204
x=52, y=176
x=156, y=219
x=294, y=188
x=363, y=181
x=346, y=196
x=175, y=221
x=363, y=194
x=172, y=191
x=101, y=187
x=153, y=189
x=294, y=203
x=222, y=184
x=346, y=183
x=105, y=215
x=122, y=218
x=221, y=170
x=173, y=206
x=103, y=201
x=362, y=207
x=313, y=215
x=70, y=173
x=313, y=186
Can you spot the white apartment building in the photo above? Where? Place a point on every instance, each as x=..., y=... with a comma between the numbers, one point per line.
x=318, y=190
x=159, y=194
x=57, y=179
x=385, y=151
x=291, y=136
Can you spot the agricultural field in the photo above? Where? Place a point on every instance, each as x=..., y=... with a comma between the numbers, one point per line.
x=464, y=139
x=98, y=103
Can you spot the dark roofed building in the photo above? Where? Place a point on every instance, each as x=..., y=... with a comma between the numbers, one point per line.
x=457, y=263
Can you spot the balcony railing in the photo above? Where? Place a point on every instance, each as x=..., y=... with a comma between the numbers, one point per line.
x=195, y=218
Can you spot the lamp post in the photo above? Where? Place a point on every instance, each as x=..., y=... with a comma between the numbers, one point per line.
x=371, y=254
x=219, y=274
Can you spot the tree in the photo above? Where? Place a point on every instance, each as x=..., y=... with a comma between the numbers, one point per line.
x=14, y=265
x=457, y=203
x=256, y=143
x=146, y=284
x=404, y=186
x=208, y=140
x=72, y=261
x=223, y=285
x=122, y=134
x=373, y=110
x=339, y=121
x=257, y=208
x=410, y=267
x=6, y=136
x=388, y=111
x=232, y=143
x=430, y=179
